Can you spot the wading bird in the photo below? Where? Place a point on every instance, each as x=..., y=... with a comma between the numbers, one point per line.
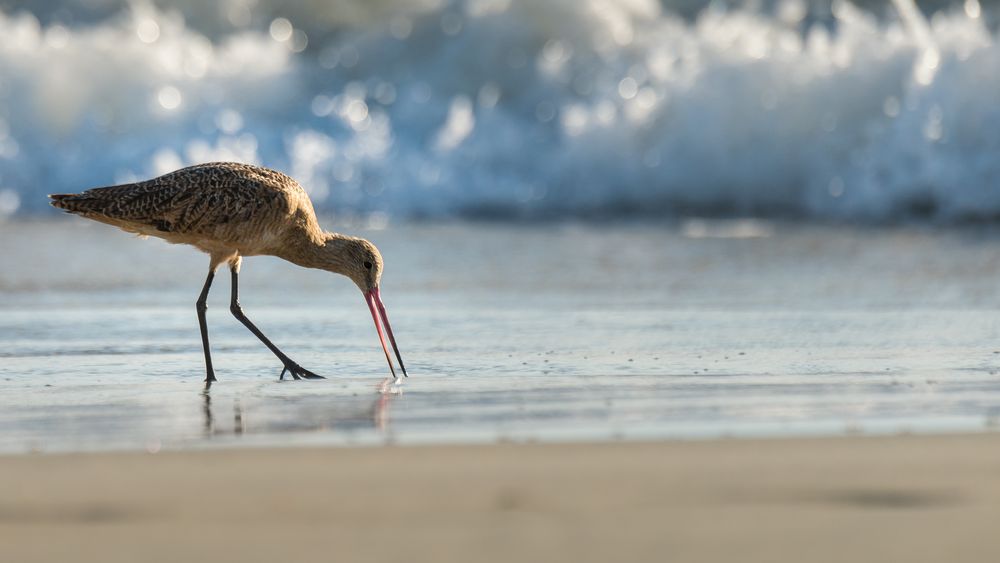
x=231, y=210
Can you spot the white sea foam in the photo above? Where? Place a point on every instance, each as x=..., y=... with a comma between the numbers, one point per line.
x=519, y=107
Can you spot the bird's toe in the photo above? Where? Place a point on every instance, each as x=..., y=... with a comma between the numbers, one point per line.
x=298, y=372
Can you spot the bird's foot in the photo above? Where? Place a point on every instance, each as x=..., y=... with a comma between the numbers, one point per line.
x=297, y=372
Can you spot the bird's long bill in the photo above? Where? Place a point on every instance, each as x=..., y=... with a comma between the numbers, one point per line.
x=381, y=319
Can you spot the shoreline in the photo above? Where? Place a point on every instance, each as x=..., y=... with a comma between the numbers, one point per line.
x=912, y=498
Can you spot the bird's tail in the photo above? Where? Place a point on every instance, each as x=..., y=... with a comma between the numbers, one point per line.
x=88, y=202
x=70, y=203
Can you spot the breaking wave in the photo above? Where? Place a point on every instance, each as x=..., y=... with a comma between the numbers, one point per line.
x=517, y=108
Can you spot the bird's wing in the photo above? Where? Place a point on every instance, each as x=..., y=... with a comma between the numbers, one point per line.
x=193, y=200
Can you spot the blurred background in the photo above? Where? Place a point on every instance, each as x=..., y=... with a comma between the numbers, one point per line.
x=403, y=109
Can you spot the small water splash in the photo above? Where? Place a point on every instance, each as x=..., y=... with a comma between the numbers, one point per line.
x=390, y=386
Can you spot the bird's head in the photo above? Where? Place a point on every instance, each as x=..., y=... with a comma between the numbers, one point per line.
x=360, y=261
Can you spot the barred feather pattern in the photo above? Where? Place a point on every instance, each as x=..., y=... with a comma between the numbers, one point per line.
x=218, y=207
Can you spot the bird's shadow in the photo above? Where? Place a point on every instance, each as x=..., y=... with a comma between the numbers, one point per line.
x=314, y=413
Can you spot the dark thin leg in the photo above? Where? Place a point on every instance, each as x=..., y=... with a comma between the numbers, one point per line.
x=202, y=306
x=291, y=367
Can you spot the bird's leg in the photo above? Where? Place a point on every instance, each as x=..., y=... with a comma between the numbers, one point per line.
x=291, y=367
x=202, y=306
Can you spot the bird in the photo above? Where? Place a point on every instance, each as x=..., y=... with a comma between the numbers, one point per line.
x=232, y=210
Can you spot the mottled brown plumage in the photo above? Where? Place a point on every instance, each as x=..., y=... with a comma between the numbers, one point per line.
x=231, y=210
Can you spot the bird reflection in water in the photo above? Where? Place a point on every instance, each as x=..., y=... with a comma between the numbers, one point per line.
x=311, y=414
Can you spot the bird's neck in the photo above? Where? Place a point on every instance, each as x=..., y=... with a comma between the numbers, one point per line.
x=319, y=249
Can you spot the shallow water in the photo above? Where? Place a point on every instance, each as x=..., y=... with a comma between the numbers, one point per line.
x=516, y=333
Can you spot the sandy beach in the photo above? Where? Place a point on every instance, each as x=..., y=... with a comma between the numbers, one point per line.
x=908, y=498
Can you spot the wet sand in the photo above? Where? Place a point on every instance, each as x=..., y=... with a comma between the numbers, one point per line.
x=908, y=498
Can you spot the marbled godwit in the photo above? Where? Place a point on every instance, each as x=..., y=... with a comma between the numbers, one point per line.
x=232, y=210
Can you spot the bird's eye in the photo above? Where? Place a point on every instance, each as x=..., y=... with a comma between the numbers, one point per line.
x=367, y=265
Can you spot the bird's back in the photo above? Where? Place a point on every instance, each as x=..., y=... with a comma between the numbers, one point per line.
x=225, y=202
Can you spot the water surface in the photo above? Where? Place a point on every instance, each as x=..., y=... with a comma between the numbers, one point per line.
x=516, y=333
